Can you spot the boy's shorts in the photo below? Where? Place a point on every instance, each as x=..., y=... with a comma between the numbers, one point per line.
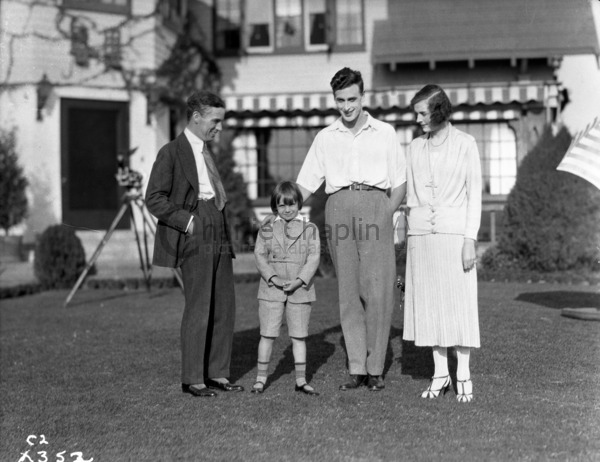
x=297, y=316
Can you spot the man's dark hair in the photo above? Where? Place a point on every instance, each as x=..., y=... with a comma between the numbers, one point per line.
x=201, y=101
x=346, y=77
x=438, y=103
x=287, y=191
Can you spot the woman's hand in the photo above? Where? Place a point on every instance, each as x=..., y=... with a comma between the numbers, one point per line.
x=469, y=256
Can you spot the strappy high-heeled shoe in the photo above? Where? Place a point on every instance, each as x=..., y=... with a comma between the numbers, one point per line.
x=258, y=387
x=464, y=390
x=432, y=394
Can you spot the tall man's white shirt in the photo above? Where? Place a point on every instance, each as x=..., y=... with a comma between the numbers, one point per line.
x=372, y=157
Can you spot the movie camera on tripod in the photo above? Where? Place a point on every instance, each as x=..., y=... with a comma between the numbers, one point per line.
x=127, y=177
x=132, y=199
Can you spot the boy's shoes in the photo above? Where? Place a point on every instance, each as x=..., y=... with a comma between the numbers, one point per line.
x=354, y=382
x=375, y=383
x=307, y=389
x=223, y=386
x=193, y=390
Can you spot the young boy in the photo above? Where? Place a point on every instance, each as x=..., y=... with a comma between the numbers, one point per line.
x=287, y=256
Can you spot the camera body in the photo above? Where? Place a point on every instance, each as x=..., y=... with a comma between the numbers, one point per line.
x=126, y=177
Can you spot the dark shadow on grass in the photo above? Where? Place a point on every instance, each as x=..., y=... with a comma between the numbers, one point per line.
x=414, y=361
x=318, y=352
x=245, y=350
x=561, y=299
x=243, y=353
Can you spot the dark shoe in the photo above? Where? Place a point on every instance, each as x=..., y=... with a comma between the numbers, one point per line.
x=192, y=390
x=306, y=390
x=354, y=382
x=375, y=383
x=258, y=387
x=223, y=386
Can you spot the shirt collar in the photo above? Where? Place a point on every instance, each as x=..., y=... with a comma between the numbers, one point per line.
x=193, y=139
x=278, y=218
x=339, y=125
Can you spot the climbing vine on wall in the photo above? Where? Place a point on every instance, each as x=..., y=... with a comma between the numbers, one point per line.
x=190, y=67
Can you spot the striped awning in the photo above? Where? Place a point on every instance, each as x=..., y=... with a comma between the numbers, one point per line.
x=484, y=102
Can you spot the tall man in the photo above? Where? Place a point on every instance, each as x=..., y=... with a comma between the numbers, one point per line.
x=185, y=193
x=359, y=159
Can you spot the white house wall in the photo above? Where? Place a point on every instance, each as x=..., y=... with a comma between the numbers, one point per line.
x=31, y=46
x=306, y=72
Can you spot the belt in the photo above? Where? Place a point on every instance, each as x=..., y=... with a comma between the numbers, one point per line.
x=361, y=187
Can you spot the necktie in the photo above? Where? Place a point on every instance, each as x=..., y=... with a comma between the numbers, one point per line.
x=215, y=179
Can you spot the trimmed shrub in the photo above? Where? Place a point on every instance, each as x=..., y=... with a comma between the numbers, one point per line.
x=13, y=206
x=59, y=258
x=551, y=218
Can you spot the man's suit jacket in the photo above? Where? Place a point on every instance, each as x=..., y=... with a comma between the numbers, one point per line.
x=288, y=250
x=172, y=196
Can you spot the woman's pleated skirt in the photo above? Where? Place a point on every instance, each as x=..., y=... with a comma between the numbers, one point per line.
x=440, y=303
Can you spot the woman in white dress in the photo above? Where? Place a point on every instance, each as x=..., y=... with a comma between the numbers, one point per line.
x=444, y=212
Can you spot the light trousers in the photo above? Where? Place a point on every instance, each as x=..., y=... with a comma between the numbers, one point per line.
x=359, y=230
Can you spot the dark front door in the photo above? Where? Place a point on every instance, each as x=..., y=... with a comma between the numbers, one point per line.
x=93, y=133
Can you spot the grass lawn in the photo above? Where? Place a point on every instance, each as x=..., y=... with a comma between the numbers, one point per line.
x=101, y=377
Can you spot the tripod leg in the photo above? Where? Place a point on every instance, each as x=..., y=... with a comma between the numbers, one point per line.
x=139, y=246
x=97, y=252
x=145, y=226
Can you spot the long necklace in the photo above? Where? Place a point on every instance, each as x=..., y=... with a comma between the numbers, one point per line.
x=431, y=165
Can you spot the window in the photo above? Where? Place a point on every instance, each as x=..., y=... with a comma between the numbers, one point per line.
x=228, y=24
x=173, y=12
x=245, y=157
x=315, y=20
x=498, y=152
x=288, y=21
x=266, y=26
x=105, y=6
x=112, y=48
x=349, y=22
x=259, y=24
x=267, y=156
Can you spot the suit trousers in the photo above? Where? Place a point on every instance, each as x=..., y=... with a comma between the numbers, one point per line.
x=209, y=313
x=360, y=236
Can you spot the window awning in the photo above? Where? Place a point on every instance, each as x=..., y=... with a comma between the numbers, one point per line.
x=500, y=101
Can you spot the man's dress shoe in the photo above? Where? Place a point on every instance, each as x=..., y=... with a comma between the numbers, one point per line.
x=195, y=391
x=354, y=382
x=223, y=386
x=375, y=383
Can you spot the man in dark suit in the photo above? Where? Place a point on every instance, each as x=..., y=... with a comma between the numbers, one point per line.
x=186, y=194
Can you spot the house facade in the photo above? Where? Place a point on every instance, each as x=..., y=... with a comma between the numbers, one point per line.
x=77, y=76
x=74, y=87
x=497, y=60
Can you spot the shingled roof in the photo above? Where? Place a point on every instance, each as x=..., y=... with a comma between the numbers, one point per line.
x=443, y=30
